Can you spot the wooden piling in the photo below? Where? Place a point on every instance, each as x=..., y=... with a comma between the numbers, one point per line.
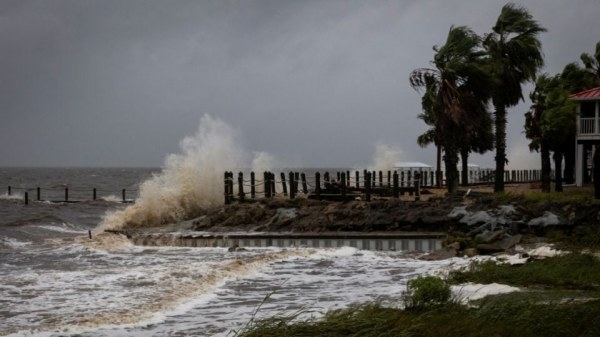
x=318, y=184
x=9, y=190
x=267, y=182
x=357, y=178
x=368, y=186
x=343, y=185
x=66, y=194
x=241, y=193
x=273, y=189
x=94, y=194
x=124, y=195
x=326, y=177
x=292, y=189
x=304, y=184
x=283, y=185
x=39, y=194
x=226, y=187
x=26, y=198
x=380, y=179
x=395, y=187
x=252, y=185
x=417, y=186
x=374, y=179
x=389, y=179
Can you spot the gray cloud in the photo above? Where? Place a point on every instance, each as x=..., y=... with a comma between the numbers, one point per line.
x=314, y=83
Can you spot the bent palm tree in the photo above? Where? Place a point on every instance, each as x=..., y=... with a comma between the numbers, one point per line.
x=515, y=56
x=457, y=90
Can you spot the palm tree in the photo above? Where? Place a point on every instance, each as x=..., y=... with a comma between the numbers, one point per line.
x=592, y=62
x=432, y=135
x=515, y=56
x=534, y=127
x=457, y=91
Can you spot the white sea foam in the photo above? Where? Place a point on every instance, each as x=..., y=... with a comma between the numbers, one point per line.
x=468, y=292
x=190, y=181
x=197, y=291
x=63, y=228
x=13, y=243
x=14, y=196
x=385, y=157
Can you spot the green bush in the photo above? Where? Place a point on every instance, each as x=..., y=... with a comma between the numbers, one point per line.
x=426, y=292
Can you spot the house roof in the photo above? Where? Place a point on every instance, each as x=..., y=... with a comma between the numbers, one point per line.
x=411, y=164
x=587, y=95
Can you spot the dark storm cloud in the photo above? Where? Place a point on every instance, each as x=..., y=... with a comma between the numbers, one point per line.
x=314, y=83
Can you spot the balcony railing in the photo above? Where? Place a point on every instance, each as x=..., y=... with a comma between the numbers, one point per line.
x=587, y=126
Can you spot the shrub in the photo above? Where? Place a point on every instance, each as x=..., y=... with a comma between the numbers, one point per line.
x=426, y=292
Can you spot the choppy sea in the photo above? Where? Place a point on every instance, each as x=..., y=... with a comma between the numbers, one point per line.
x=55, y=282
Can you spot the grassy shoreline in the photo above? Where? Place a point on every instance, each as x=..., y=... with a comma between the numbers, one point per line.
x=560, y=296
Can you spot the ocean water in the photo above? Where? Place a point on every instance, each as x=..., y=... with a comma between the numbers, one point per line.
x=54, y=281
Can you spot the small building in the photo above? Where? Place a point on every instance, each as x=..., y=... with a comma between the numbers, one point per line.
x=588, y=133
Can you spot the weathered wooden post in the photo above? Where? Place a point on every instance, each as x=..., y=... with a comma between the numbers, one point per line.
x=273, y=189
x=326, y=177
x=94, y=194
x=417, y=186
x=389, y=179
x=339, y=177
x=395, y=189
x=343, y=185
x=9, y=190
x=292, y=189
x=410, y=181
x=368, y=186
x=66, y=194
x=296, y=182
x=39, y=194
x=225, y=187
x=402, y=178
x=347, y=178
x=374, y=179
x=241, y=193
x=380, y=179
x=26, y=198
x=318, y=184
x=283, y=186
x=124, y=196
x=267, y=182
x=304, y=184
x=357, y=177
x=252, y=185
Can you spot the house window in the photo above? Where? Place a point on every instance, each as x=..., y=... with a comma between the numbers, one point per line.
x=588, y=109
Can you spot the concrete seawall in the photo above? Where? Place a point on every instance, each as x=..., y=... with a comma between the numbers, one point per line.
x=400, y=241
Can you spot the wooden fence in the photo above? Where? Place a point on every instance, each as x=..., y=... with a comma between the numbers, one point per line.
x=70, y=195
x=346, y=185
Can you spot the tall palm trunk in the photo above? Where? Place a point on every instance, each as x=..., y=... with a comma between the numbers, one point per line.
x=569, y=154
x=438, y=171
x=500, y=123
x=451, y=160
x=558, y=157
x=464, y=158
x=545, y=155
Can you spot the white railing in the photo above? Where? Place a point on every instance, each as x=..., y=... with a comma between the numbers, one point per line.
x=587, y=126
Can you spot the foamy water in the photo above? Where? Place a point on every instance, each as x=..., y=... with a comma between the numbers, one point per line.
x=75, y=288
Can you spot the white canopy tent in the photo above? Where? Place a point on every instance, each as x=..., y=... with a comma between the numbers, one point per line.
x=412, y=165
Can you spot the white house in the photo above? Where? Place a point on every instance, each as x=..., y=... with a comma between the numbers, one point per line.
x=588, y=132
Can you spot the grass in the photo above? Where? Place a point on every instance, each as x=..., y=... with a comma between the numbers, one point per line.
x=495, y=317
x=562, y=299
x=572, y=271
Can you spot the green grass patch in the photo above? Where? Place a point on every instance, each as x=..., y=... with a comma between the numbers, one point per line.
x=495, y=317
x=572, y=271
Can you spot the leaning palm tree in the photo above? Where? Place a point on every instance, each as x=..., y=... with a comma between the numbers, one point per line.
x=458, y=89
x=515, y=56
x=592, y=62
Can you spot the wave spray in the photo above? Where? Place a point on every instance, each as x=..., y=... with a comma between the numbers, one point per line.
x=189, y=182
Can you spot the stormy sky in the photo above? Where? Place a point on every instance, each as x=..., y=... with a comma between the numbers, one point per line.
x=313, y=83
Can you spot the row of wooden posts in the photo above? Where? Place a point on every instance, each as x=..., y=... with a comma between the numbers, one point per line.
x=66, y=195
x=340, y=188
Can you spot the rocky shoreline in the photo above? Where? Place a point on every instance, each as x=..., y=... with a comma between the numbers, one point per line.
x=475, y=223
